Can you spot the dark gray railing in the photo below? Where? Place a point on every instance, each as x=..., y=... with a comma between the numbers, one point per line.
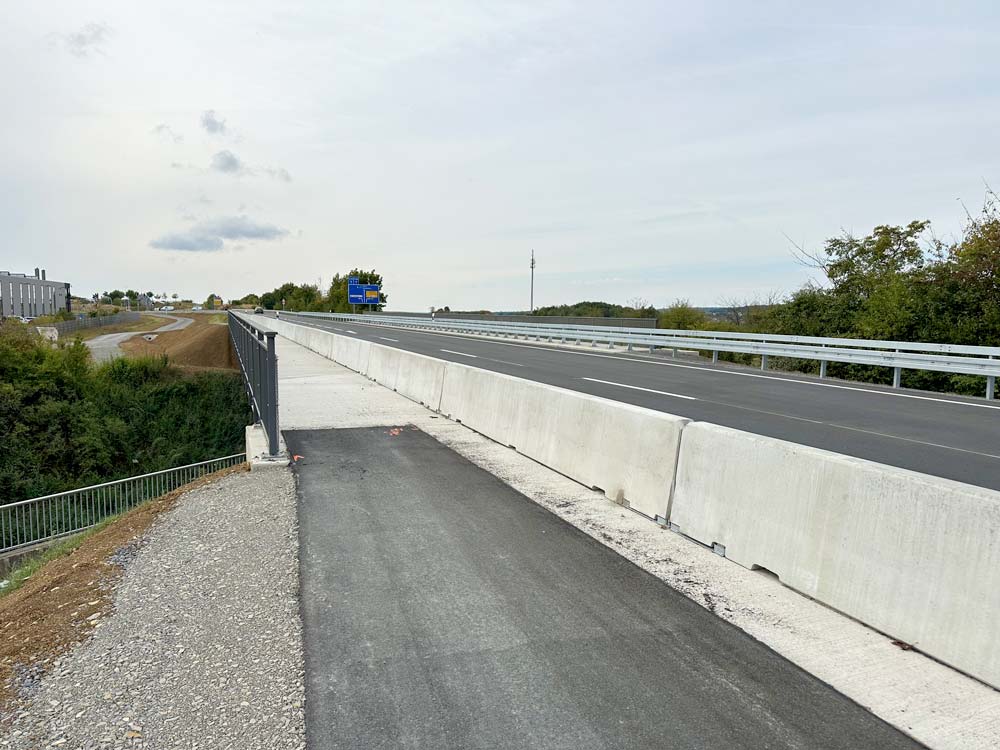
x=65, y=327
x=40, y=519
x=259, y=363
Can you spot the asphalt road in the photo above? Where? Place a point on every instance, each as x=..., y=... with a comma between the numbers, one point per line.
x=442, y=609
x=948, y=436
x=105, y=347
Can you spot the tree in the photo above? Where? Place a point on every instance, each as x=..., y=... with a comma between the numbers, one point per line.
x=681, y=316
x=337, y=300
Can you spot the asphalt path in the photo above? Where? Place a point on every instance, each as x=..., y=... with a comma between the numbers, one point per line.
x=105, y=347
x=442, y=609
x=948, y=436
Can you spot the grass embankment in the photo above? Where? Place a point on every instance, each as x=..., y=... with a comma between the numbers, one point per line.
x=202, y=344
x=144, y=323
x=61, y=595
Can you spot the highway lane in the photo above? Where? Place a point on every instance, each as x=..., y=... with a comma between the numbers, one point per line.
x=948, y=436
x=442, y=609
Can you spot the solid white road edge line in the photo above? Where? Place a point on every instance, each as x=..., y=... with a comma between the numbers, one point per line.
x=637, y=388
x=461, y=354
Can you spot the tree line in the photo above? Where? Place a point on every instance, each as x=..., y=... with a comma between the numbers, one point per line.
x=312, y=298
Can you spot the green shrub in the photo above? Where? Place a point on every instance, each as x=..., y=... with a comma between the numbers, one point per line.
x=66, y=423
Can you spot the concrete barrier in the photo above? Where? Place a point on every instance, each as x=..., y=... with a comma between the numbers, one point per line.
x=413, y=375
x=627, y=451
x=914, y=556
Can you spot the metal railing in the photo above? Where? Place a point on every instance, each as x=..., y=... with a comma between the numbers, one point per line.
x=65, y=327
x=258, y=359
x=898, y=355
x=29, y=522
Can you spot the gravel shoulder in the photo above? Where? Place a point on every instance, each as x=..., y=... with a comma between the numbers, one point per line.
x=203, y=645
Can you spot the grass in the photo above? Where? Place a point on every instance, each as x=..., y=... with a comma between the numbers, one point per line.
x=144, y=323
x=36, y=562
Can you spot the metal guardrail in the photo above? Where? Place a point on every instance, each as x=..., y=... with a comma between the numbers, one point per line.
x=898, y=355
x=40, y=519
x=255, y=350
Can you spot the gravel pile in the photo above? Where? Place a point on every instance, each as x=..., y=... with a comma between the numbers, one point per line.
x=204, y=646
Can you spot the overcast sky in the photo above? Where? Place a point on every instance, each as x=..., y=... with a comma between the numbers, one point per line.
x=656, y=150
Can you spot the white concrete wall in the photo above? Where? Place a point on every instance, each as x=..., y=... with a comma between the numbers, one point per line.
x=627, y=451
x=914, y=556
x=415, y=376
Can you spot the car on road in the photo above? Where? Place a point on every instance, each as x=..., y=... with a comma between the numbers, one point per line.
x=258, y=311
x=196, y=307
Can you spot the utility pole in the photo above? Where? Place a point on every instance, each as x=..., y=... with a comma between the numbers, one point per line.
x=532, y=282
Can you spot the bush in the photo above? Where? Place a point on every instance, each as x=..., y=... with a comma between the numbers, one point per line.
x=66, y=423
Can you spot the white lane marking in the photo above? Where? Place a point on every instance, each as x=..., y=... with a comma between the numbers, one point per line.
x=637, y=388
x=339, y=329
x=505, y=362
x=460, y=354
x=384, y=338
x=350, y=331
x=715, y=371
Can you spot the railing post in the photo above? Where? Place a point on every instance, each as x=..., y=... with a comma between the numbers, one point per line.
x=272, y=394
x=897, y=375
x=822, y=368
x=715, y=356
x=991, y=382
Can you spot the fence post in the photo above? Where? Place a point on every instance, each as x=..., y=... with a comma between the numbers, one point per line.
x=272, y=393
x=897, y=375
x=991, y=382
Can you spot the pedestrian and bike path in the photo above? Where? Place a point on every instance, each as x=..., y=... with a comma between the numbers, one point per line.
x=443, y=609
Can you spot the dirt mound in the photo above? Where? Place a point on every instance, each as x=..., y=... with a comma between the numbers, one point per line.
x=203, y=344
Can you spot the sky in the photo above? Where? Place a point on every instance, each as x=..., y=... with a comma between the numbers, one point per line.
x=655, y=150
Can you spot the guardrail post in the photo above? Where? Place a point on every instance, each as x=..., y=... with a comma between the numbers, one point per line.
x=822, y=368
x=715, y=357
x=897, y=375
x=763, y=361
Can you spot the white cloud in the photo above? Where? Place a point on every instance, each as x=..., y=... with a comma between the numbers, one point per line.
x=213, y=124
x=228, y=163
x=165, y=131
x=211, y=235
x=89, y=40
